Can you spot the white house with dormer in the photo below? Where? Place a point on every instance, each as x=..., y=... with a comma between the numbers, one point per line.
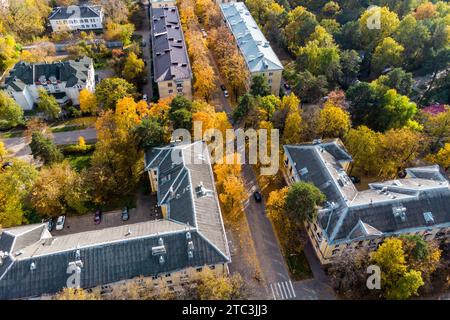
x=74, y=18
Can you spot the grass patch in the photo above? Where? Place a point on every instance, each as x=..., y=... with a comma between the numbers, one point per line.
x=79, y=162
x=68, y=128
x=11, y=134
x=298, y=266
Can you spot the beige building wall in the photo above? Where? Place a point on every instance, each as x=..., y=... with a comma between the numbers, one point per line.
x=328, y=253
x=274, y=79
x=172, y=88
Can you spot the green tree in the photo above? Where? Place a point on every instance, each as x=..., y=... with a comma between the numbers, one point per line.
x=15, y=183
x=302, y=201
x=372, y=34
x=11, y=114
x=350, y=65
x=48, y=105
x=310, y=87
x=397, y=79
x=397, y=111
x=270, y=104
x=149, y=133
x=181, y=118
x=110, y=90
x=387, y=54
x=300, y=24
x=180, y=102
x=43, y=148
x=365, y=104
x=260, y=86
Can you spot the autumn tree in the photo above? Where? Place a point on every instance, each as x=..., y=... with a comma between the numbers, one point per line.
x=44, y=149
x=397, y=148
x=293, y=129
x=11, y=114
x=210, y=286
x=119, y=32
x=48, y=105
x=300, y=25
x=76, y=294
x=233, y=196
x=133, y=67
x=116, y=163
x=397, y=281
x=15, y=183
x=363, y=143
x=437, y=128
x=333, y=122
x=442, y=157
x=110, y=90
x=59, y=190
x=8, y=51
x=88, y=101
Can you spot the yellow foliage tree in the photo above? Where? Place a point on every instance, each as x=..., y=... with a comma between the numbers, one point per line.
x=333, y=122
x=76, y=294
x=88, y=102
x=441, y=158
x=232, y=196
x=293, y=129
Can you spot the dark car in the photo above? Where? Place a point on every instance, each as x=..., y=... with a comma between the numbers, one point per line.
x=98, y=217
x=50, y=224
x=125, y=214
x=223, y=87
x=7, y=164
x=257, y=196
x=355, y=179
x=287, y=86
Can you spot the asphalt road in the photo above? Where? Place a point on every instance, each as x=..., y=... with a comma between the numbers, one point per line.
x=19, y=147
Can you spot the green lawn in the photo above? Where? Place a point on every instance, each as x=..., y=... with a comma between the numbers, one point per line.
x=74, y=124
x=298, y=266
x=79, y=162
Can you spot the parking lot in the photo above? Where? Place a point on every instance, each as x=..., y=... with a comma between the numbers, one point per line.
x=145, y=210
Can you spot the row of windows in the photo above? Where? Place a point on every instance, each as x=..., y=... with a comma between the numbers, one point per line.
x=183, y=276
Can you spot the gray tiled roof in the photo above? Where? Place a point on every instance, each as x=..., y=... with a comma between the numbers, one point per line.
x=63, y=13
x=170, y=59
x=254, y=46
x=185, y=203
x=350, y=214
x=72, y=72
x=123, y=252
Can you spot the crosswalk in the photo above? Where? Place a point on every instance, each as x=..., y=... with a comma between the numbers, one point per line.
x=282, y=290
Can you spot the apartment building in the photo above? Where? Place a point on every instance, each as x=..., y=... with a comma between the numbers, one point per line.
x=168, y=251
x=71, y=18
x=64, y=80
x=359, y=220
x=256, y=50
x=171, y=66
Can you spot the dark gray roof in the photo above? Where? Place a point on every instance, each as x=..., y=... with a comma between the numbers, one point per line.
x=72, y=72
x=189, y=166
x=63, y=13
x=106, y=263
x=113, y=254
x=386, y=207
x=170, y=59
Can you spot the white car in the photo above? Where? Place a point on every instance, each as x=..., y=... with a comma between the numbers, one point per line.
x=204, y=33
x=60, y=222
x=144, y=97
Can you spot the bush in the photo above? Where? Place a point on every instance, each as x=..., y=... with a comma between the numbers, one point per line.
x=77, y=149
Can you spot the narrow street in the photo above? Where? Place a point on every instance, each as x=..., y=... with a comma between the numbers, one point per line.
x=275, y=275
x=145, y=33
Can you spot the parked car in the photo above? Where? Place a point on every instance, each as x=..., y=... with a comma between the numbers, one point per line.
x=98, y=217
x=125, y=214
x=50, y=224
x=144, y=97
x=355, y=179
x=143, y=43
x=7, y=164
x=286, y=86
x=60, y=222
x=257, y=195
x=225, y=91
x=203, y=32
